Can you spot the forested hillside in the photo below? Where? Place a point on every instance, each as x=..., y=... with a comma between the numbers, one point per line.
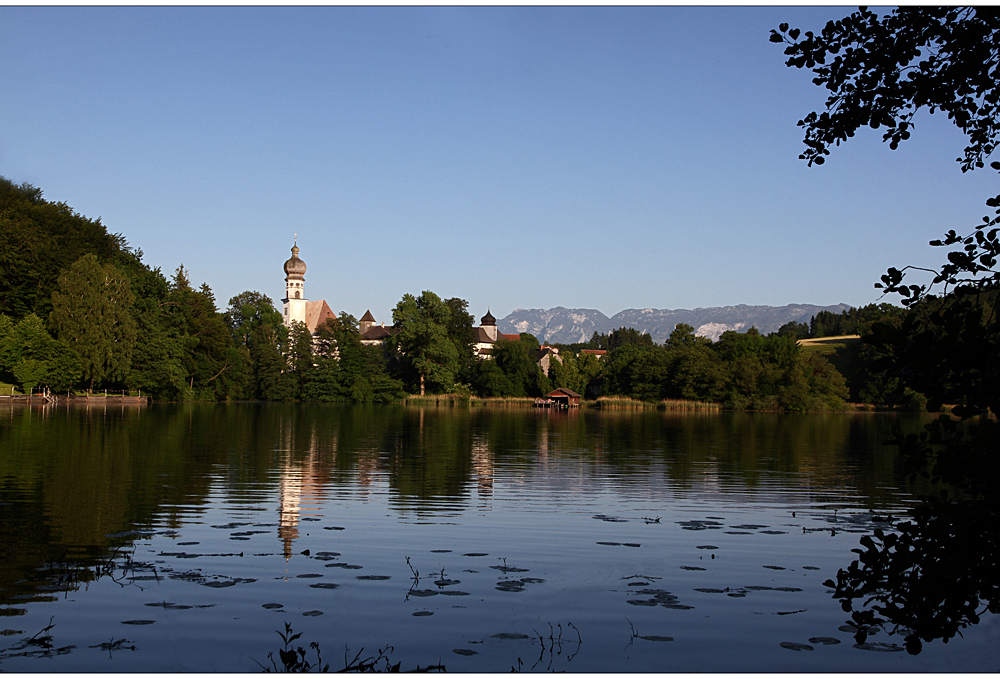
x=80, y=310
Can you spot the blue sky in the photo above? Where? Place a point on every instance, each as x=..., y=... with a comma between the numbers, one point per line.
x=606, y=158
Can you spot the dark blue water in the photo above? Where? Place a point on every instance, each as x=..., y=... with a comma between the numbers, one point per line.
x=181, y=538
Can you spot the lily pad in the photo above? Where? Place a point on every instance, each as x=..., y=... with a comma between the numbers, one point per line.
x=692, y=568
x=775, y=568
x=510, y=586
x=464, y=651
x=327, y=553
x=169, y=606
x=476, y=554
x=453, y=592
x=309, y=575
x=709, y=590
x=219, y=583
x=880, y=647
x=324, y=585
x=422, y=613
x=802, y=610
x=138, y=622
x=795, y=646
x=274, y=605
x=440, y=551
x=511, y=635
x=333, y=528
x=643, y=602
x=374, y=577
x=706, y=547
x=184, y=544
x=699, y=525
x=656, y=637
x=826, y=641
x=445, y=582
x=313, y=614
x=422, y=592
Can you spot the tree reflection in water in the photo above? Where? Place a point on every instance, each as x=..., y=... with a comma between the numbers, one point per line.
x=937, y=573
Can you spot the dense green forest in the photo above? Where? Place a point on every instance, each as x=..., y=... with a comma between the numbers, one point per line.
x=80, y=310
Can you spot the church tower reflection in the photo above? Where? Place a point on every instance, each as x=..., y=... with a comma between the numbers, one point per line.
x=302, y=487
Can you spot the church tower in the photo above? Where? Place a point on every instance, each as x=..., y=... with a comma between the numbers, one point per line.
x=489, y=326
x=295, y=295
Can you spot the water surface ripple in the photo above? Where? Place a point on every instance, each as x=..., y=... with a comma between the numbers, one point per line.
x=181, y=538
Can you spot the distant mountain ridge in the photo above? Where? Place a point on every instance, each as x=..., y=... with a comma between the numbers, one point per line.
x=578, y=325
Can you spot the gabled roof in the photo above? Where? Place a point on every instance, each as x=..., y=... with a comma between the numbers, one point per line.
x=563, y=391
x=316, y=313
x=378, y=332
x=368, y=316
x=512, y=338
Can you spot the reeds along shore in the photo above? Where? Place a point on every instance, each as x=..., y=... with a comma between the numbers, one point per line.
x=458, y=399
x=602, y=403
x=609, y=402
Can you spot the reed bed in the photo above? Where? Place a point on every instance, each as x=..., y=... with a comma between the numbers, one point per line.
x=625, y=402
x=459, y=399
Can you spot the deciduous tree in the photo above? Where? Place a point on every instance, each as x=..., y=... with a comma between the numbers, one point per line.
x=423, y=341
x=92, y=312
x=937, y=572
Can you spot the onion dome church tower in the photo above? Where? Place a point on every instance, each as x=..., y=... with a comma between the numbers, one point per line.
x=489, y=325
x=295, y=295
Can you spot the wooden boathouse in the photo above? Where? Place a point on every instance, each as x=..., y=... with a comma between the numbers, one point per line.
x=560, y=398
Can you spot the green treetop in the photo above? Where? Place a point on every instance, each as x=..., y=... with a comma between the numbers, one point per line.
x=92, y=312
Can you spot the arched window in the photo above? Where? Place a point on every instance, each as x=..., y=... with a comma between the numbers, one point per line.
x=296, y=294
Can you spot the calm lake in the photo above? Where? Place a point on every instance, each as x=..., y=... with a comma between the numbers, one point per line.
x=179, y=538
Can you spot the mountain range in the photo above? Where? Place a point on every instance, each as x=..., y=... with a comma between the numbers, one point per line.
x=567, y=326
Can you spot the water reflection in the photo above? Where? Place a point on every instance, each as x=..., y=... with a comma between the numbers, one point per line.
x=72, y=476
x=77, y=484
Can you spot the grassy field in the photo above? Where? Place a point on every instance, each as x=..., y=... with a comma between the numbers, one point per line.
x=828, y=345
